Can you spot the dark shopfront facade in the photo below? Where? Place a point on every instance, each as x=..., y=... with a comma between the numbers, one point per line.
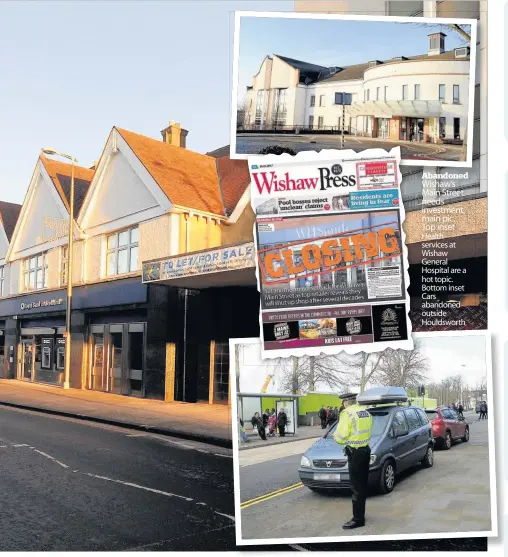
x=151, y=341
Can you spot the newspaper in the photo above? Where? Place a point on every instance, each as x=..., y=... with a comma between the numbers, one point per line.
x=331, y=255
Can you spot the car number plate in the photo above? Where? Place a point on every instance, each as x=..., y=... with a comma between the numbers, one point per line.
x=329, y=477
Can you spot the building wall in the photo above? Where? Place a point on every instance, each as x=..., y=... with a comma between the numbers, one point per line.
x=242, y=230
x=155, y=238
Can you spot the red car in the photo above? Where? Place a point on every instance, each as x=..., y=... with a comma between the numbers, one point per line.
x=447, y=426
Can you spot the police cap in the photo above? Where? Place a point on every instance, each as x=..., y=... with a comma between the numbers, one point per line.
x=348, y=396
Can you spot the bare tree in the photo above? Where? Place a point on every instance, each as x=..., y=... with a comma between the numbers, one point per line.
x=242, y=113
x=362, y=367
x=309, y=373
x=403, y=368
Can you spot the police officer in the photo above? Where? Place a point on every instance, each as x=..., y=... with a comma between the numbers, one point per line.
x=353, y=432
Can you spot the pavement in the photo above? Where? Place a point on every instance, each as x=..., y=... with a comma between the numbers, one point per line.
x=254, y=143
x=303, y=432
x=453, y=496
x=200, y=422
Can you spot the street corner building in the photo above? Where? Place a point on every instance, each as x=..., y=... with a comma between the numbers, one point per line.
x=162, y=271
x=420, y=98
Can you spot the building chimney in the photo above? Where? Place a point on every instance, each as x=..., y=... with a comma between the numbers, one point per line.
x=436, y=44
x=175, y=135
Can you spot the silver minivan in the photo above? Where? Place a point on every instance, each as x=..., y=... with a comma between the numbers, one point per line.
x=401, y=438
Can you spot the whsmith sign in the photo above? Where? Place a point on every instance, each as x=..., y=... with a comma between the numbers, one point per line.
x=200, y=263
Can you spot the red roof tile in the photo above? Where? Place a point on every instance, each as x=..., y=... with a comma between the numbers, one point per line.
x=234, y=180
x=188, y=179
x=9, y=213
x=60, y=174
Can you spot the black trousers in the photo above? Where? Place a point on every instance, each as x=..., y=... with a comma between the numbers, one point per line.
x=358, y=461
x=282, y=430
x=323, y=423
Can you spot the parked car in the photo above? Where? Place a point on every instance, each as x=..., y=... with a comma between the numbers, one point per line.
x=447, y=426
x=401, y=438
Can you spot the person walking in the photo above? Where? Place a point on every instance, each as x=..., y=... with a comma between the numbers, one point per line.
x=460, y=410
x=322, y=416
x=257, y=422
x=266, y=416
x=353, y=432
x=482, y=410
x=282, y=422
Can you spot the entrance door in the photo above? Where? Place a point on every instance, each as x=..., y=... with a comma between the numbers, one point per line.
x=456, y=128
x=115, y=358
x=99, y=378
x=382, y=128
x=27, y=360
x=420, y=136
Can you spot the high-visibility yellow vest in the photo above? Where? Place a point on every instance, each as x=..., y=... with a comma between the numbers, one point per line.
x=354, y=428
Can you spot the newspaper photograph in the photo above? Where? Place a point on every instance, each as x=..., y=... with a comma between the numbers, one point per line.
x=331, y=255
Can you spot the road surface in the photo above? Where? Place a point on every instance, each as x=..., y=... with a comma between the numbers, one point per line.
x=453, y=496
x=254, y=143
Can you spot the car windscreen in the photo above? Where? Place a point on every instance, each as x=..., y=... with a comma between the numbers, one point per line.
x=379, y=421
x=431, y=415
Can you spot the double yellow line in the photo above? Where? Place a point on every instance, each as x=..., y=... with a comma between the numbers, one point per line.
x=267, y=496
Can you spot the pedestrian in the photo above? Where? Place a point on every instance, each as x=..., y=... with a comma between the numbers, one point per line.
x=243, y=433
x=341, y=409
x=329, y=416
x=461, y=410
x=353, y=432
x=266, y=416
x=483, y=410
x=272, y=425
x=486, y=415
x=322, y=416
x=257, y=422
x=336, y=413
x=282, y=422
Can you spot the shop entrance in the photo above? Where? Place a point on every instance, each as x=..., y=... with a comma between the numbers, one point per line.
x=27, y=360
x=383, y=128
x=117, y=358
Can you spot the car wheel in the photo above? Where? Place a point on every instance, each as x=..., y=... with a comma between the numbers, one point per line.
x=428, y=461
x=387, y=478
x=465, y=439
x=447, y=445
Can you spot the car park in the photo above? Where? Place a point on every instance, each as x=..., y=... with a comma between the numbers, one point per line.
x=447, y=426
x=401, y=438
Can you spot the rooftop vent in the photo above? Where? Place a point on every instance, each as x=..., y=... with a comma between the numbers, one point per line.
x=399, y=58
x=462, y=52
x=373, y=63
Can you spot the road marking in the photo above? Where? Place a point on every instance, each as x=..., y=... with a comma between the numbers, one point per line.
x=61, y=463
x=4, y=446
x=226, y=515
x=271, y=495
x=21, y=445
x=223, y=455
x=44, y=454
x=129, y=484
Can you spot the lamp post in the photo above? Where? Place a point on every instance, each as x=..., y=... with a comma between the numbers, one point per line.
x=67, y=362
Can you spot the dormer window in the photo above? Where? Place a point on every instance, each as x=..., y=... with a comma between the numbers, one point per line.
x=462, y=52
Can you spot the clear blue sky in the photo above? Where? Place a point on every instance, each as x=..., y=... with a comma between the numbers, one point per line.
x=71, y=70
x=329, y=42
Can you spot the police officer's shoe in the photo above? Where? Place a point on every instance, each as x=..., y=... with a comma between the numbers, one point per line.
x=353, y=524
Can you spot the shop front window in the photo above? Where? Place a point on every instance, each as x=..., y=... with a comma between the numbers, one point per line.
x=122, y=252
x=221, y=373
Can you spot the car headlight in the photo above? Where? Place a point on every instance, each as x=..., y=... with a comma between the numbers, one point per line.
x=305, y=462
x=373, y=458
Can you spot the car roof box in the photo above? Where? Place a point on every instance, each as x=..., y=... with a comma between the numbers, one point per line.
x=382, y=395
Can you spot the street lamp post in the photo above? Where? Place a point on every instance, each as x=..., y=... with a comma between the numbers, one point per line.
x=70, y=242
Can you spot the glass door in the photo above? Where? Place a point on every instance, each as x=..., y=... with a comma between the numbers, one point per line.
x=27, y=360
x=98, y=378
x=115, y=358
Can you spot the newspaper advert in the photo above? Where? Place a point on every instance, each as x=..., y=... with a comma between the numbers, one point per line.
x=331, y=257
